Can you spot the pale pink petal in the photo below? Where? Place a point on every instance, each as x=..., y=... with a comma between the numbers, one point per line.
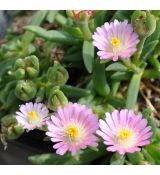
x=77, y=116
x=120, y=121
x=123, y=32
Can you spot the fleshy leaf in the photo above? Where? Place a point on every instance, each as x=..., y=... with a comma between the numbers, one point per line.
x=88, y=55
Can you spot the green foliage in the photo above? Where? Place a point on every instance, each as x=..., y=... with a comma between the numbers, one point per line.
x=117, y=159
x=88, y=55
x=83, y=157
x=154, y=151
x=151, y=43
x=133, y=90
x=28, y=37
x=151, y=120
x=51, y=15
x=99, y=79
x=136, y=158
x=74, y=92
x=116, y=67
x=54, y=35
x=54, y=61
x=122, y=15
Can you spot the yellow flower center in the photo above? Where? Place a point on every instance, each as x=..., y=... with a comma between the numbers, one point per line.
x=115, y=42
x=124, y=134
x=72, y=132
x=32, y=115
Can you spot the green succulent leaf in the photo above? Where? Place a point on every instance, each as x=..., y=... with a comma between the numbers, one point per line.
x=121, y=76
x=51, y=15
x=88, y=55
x=52, y=35
x=83, y=157
x=122, y=15
x=147, y=114
x=117, y=159
x=133, y=90
x=116, y=67
x=154, y=151
x=135, y=158
x=74, y=92
x=36, y=20
x=99, y=79
x=148, y=49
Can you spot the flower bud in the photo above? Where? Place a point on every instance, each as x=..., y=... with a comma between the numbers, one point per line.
x=26, y=68
x=79, y=15
x=83, y=19
x=32, y=66
x=19, y=64
x=19, y=74
x=144, y=23
x=56, y=99
x=10, y=128
x=25, y=90
x=32, y=73
x=57, y=74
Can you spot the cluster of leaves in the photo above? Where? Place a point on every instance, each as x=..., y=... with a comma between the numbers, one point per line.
x=54, y=61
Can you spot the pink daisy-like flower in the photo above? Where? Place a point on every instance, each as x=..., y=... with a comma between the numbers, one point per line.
x=115, y=40
x=72, y=128
x=124, y=131
x=32, y=116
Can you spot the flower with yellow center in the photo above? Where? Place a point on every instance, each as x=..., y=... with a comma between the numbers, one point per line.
x=124, y=131
x=115, y=42
x=32, y=115
x=73, y=128
x=124, y=134
x=72, y=132
x=125, y=138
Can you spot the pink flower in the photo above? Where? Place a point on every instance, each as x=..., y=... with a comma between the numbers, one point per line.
x=77, y=13
x=72, y=128
x=123, y=131
x=32, y=116
x=115, y=40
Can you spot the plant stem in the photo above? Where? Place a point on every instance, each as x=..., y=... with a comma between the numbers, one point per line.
x=85, y=30
x=131, y=66
x=139, y=51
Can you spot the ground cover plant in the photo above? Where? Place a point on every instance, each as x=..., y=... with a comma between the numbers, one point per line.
x=88, y=80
